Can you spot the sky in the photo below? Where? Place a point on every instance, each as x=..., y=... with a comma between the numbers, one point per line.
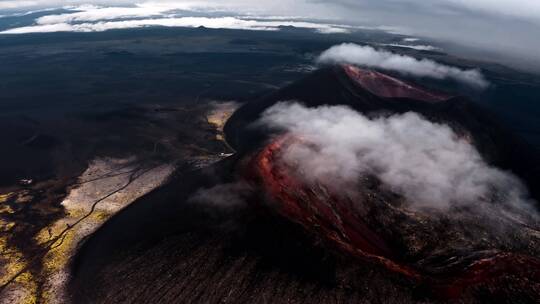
x=507, y=27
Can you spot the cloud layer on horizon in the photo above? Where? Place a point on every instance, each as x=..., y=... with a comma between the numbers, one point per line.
x=418, y=47
x=351, y=53
x=521, y=9
x=504, y=30
x=208, y=22
x=90, y=18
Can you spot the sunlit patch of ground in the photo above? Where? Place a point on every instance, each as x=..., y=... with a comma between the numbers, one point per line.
x=3, y=200
x=23, y=288
x=219, y=115
x=107, y=186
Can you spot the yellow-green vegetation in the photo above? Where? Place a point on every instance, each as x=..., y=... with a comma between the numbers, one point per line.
x=12, y=261
x=4, y=208
x=5, y=197
x=6, y=226
x=219, y=116
x=65, y=240
x=28, y=282
x=58, y=255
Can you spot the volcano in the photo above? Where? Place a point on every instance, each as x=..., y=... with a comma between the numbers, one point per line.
x=379, y=230
x=298, y=242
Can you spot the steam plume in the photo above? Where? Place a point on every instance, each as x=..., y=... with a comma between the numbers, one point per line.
x=367, y=56
x=425, y=162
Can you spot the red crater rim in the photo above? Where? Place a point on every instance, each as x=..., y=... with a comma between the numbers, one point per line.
x=386, y=86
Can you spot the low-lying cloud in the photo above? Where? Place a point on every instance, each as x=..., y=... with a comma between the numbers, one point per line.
x=96, y=13
x=90, y=18
x=351, y=53
x=213, y=23
x=228, y=195
x=418, y=47
x=425, y=162
x=411, y=39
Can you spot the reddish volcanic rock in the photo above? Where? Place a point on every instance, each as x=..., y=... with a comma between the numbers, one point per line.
x=342, y=224
x=318, y=210
x=386, y=86
x=488, y=270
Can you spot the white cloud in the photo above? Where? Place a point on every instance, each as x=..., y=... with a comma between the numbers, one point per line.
x=33, y=4
x=413, y=46
x=517, y=9
x=223, y=195
x=91, y=18
x=17, y=4
x=423, y=161
x=47, y=28
x=529, y=9
x=102, y=13
x=218, y=22
x=367, y=56
x=411, y=39
x=306, y=8
x=502, y=31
